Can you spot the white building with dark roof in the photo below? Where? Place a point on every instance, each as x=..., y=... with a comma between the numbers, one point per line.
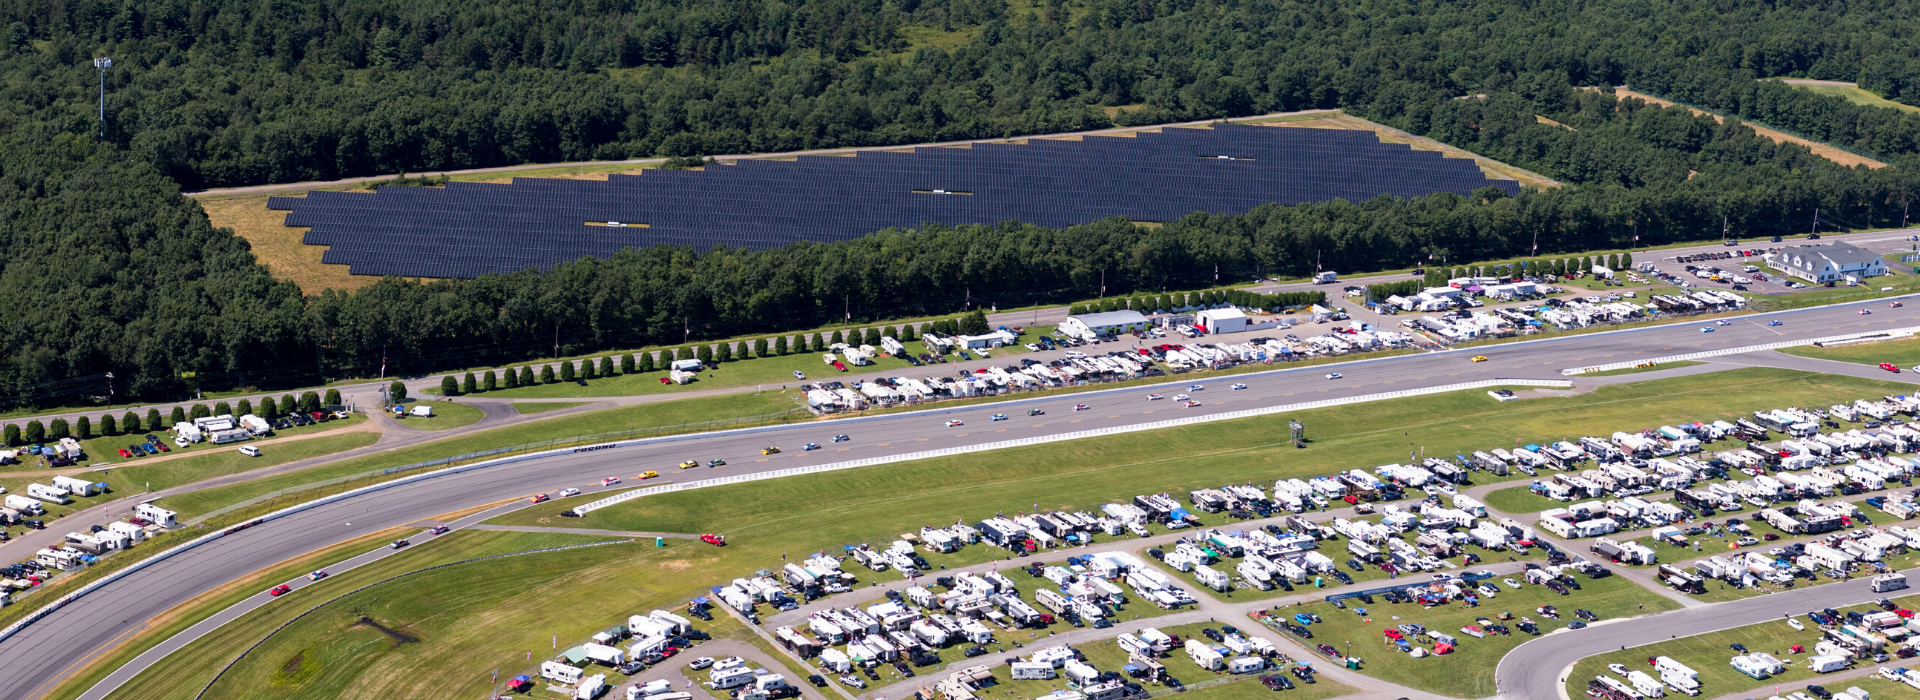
x=1834, y=262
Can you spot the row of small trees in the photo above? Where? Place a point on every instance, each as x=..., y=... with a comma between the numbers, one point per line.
x=644, y=362
x=1437, y=277
x=133, y=423
x=1211, y=298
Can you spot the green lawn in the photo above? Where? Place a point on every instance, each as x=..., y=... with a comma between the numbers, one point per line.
x=1707, y=654
x=333, y=653
x=1519, y=500
x=1468, y=671
x=685, y=415
x=1904, y=353
x=527, y=408
x=447, y=415
x=1817, y=296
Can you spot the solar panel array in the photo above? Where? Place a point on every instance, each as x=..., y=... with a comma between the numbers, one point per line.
x=467, y=229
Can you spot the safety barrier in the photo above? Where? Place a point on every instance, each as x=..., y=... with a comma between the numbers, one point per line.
x=1045, y=439
x=1890, y=334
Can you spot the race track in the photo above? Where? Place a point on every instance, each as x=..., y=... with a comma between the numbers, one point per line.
x=31, y=660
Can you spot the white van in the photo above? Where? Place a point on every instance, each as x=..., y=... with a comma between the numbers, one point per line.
x=249, y=450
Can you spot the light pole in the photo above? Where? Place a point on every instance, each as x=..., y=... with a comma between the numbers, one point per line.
x=103, y=64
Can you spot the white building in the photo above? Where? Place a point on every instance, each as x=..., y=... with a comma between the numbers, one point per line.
x=1833, y=262
x=1104, y=323
x=1227, y=320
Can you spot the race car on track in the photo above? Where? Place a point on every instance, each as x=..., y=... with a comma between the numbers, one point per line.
x=841, y=438
x=649, y=474
x=809, y=447
x=1237, y=387
x=769, y=450
x=689, y=464
x=955, y=423
x=997, y=417
x=1154, y=397
x=279, y=590
x=1080, y=407
x=609, y=481
x=1333, y=375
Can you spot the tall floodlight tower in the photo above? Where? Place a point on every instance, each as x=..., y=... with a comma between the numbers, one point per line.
x=103, y=64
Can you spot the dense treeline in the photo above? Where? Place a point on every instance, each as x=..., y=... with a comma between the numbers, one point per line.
x=228, y=92
x=109, y=271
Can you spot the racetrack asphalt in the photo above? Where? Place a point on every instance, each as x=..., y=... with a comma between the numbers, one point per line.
x=43, y=652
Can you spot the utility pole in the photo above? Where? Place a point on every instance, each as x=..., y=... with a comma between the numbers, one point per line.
x=103, y=64
x=1816, y=221
x=556, y=341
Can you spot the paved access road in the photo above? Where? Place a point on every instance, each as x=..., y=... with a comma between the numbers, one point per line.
x=42, y=653
x=1534, y=670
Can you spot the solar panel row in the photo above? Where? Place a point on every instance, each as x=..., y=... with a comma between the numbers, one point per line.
x=468, y=229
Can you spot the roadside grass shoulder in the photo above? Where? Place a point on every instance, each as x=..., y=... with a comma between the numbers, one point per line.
x=528, y=408
x=1707, y=654
x=1468, y=671
x=384, y=622
x=1650, y=368
x=1903, y=353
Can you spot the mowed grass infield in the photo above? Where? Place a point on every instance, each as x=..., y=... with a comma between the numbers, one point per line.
x=1904, y=353
x=354, y=647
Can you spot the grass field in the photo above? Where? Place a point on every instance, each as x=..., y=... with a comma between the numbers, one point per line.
x=688, y=414
x=1707, y=654
x=1854, y=94
x=340, y=650
x=447, y=415
x=528, y=408
x=192, y=612
x=1468, y=671
x=1818, y=148
x=1903, y=353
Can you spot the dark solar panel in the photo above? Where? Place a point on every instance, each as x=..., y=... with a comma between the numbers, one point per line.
x=468, y=229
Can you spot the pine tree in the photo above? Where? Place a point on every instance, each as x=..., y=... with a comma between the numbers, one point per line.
x=1626, y=261
x=178, y=416
x=487, y=381
x=58, y=429
x=511, y=378
x=546, y=374
x=221, y=408
x=83, y=428
x=269, y=409
x=332, y=398
x=199, y=411
x=469, y=384
x=310, y=401
x=703, y=353
x=12, y=433
x=566, y=372
x=626, y=364
x=646, y=362
x=131, y=422
x=724, y=354
x=449, y=386
x=36, y=433
x=910, y=331
x=526, y=376
x=245, y=407
x=109, y=426
x=587, y=370
x=780, y=346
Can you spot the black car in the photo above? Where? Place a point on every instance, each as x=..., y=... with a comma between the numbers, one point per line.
x=817, y=681
x=973, y=651
x=1303, y=674
x=1213, y=634
x=1299, y=631
x=1587, y=615
x=1818, y=692
x=1342, y=575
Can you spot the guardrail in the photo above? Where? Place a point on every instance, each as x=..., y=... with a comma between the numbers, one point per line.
x=1023, y=442
x=1890, y=334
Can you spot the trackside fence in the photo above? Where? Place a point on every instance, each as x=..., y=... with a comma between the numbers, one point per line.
x=1046, y=439
x=1630, y=364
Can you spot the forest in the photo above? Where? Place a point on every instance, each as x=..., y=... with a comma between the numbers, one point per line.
x=111, y=271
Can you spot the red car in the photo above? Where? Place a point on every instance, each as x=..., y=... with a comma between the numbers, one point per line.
x=1888, y=366
x=715, y=540
x=538, y=498
x=837, y=365
x=125, y=453
x=279, y=590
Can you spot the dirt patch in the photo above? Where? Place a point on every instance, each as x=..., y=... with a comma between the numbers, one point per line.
x=399, y=638
x=278, y=246
x=292, y=665
x=1819, y=149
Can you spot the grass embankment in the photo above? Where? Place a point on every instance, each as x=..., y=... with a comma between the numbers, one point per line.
x=1468, y=671
x=1903, y=353
x=1900, y=283
x=447, y=415
x=1707, y=654
x=528, y=408
x=686, y=415
x=192, y=612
